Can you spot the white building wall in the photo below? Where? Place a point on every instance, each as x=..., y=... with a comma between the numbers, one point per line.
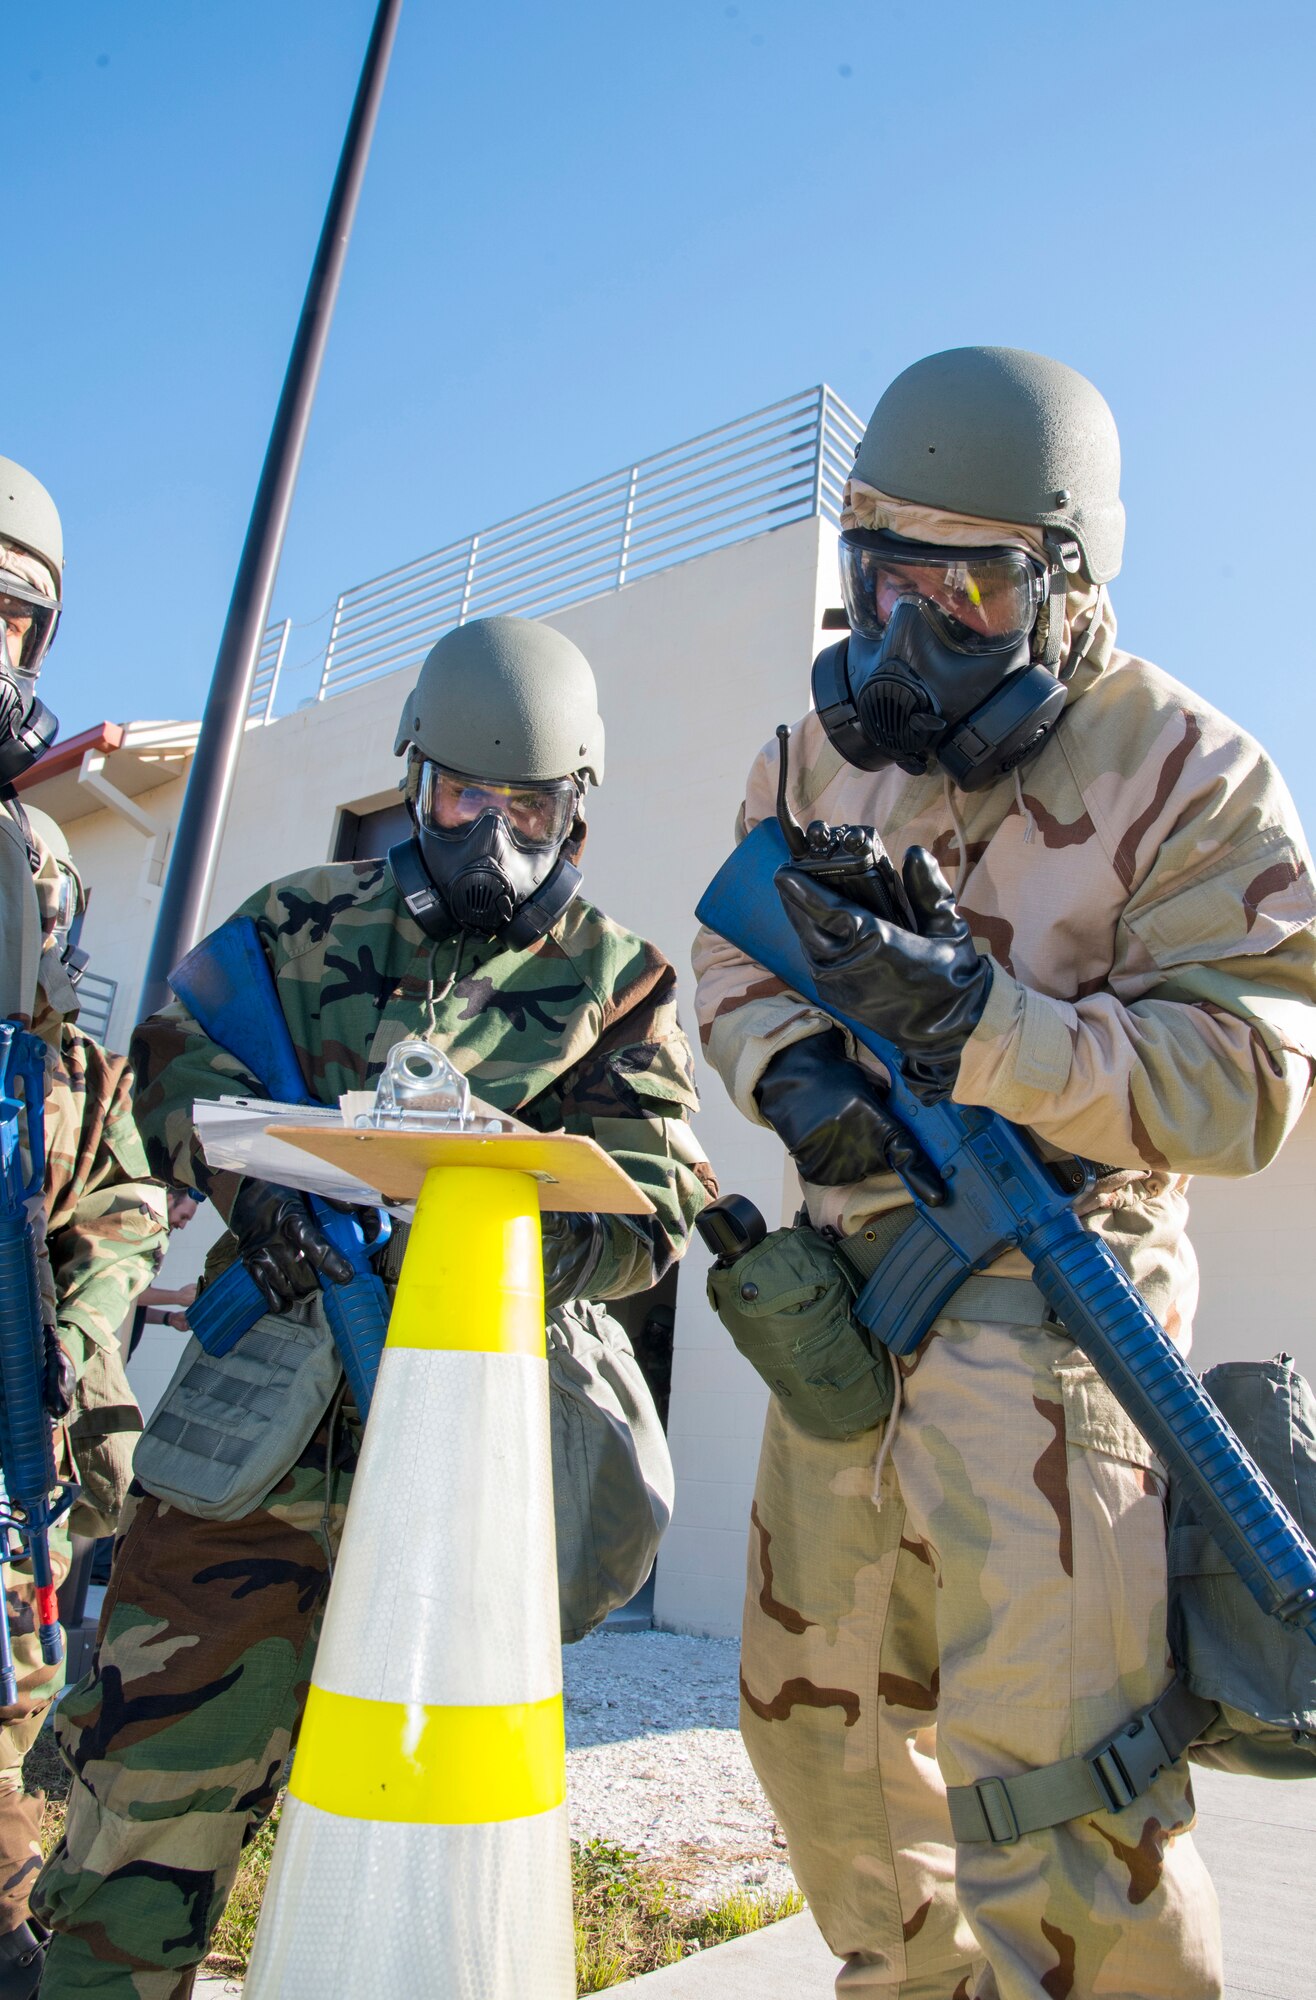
x=1254, y=1243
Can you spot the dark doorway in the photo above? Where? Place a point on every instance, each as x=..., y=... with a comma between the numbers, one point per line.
x=368, y=836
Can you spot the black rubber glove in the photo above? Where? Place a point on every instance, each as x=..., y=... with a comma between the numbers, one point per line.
x=573, y=1244
x=922, y=990
x=280, y=1244
x=58, y=1386
x=834, y=1120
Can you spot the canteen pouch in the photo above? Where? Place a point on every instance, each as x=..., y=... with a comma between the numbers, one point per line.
x=787, y=1305
x=230, y=1425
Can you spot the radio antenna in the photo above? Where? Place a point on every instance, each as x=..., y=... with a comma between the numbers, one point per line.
x=786, y=819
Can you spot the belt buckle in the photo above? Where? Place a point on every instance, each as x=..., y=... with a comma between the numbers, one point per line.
x=1126, y=1765
x=997, y=1811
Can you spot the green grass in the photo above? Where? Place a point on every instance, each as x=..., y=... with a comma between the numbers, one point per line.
x=629, y=1919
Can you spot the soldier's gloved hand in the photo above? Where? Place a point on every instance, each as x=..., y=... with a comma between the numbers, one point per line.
x=573, y=1245
x=834, y=1120
x=280, y=1244
x=923, y=990
x=59, y=1380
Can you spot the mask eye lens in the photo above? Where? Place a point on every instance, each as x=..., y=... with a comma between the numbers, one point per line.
x=535, y=815
x=984, y=600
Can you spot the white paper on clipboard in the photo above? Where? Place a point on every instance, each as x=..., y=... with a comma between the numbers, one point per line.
x=234, y=1140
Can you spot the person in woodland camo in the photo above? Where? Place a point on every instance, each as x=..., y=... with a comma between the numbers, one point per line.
x=474, y=935
x=102, y=1221
x=1113, y=946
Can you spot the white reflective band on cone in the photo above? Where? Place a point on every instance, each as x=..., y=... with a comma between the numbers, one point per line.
x=420, y=1612
x=416, y=1912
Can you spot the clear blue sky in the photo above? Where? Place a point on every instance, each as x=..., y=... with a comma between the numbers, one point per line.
x=590, y=230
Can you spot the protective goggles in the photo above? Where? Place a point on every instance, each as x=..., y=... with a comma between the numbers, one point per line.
x=981, y=600
x=27, y=625
x=536, y=815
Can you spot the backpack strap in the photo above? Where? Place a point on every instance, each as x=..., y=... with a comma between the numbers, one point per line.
x=1106, y=1780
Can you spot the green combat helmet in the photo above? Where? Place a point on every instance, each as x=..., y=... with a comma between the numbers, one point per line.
x=1008, y=436
x=506, y=698
x=59, y=885
x=63, y=902
x=29, y=518
x=502, y=732
x=31, y=566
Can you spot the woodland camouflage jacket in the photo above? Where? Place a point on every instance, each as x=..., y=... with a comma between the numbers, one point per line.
x=579, y=1033
x=1146, y=897
x=105, y=1217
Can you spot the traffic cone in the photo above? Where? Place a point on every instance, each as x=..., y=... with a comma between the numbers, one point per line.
x=423, y=1849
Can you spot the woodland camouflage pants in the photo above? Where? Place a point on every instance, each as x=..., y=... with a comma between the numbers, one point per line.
x=38, y=1684
x=179, y=1735
x=1003, y=1609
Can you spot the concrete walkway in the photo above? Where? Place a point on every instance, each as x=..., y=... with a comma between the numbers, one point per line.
x=1257, y=1837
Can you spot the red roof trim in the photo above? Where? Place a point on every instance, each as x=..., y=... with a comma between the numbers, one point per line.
x=67, y=756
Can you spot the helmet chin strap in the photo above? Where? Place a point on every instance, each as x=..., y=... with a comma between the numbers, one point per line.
x=1065, y=558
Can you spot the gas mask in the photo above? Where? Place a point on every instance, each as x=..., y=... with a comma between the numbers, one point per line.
x=486, y=856
x=63, y=907
x=940, y=661
x=27, y=625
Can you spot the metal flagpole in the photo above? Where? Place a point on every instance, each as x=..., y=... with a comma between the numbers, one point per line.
x=205, y=805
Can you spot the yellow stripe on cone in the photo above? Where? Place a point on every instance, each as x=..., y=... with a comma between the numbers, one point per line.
x=450, y=1766
x=423, y=1848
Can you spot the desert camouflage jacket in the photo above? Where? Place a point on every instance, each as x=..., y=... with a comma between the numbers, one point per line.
x=1146, y=897
x=105, y=1218
x=578, y=1033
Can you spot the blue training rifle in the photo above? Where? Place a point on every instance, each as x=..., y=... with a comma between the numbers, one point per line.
x=1000, y=1195
x=33, y=1499
x=227, y=986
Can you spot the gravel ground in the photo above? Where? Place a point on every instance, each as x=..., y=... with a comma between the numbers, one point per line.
x=655, y=1762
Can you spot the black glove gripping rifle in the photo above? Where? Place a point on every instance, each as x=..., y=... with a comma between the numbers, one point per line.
x=33, y=1499
x=1000, y=1195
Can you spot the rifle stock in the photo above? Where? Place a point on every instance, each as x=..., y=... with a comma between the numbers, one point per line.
x=226, y=985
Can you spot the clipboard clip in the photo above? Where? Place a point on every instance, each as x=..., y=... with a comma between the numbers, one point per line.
x=422, y=1091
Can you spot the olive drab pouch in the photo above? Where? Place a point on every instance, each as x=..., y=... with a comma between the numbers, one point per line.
x=1226, y=1649
x=613, y=1483
x=230, y=1425
x=103, y=1432
x=786, y=1304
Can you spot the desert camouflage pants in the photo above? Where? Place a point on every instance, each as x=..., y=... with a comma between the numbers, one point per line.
x=179, y=1735
x=38, y=1684
x=1004, y=1608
